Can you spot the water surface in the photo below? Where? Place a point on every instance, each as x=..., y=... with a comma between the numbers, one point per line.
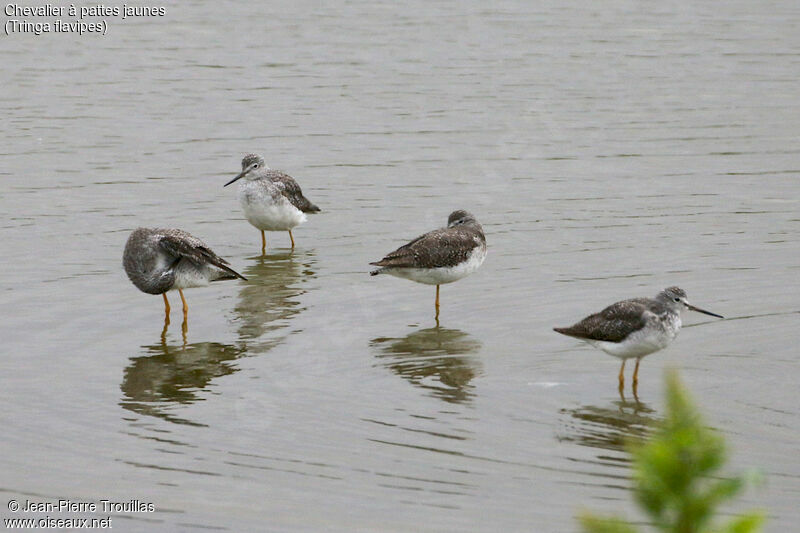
x=609, y=151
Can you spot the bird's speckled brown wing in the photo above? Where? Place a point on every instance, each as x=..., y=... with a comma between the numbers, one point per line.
x=291, y=190
x=181, y=244
x=445, y=247
x=612, y=324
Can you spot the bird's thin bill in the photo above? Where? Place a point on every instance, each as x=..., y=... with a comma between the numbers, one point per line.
x=693, y=308
x=234, y=179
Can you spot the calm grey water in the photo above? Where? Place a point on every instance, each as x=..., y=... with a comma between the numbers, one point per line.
x=609, y=149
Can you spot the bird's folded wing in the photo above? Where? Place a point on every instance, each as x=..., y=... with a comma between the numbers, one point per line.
x=446, y=247
x=612, y=324
x=292, y=191
x=193, y=249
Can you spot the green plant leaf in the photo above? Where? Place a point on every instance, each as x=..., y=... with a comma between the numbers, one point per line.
x=748, y=523
x=599, y=524
x=676, y=478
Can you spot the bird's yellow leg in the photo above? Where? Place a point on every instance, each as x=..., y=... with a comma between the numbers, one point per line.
x=263, y=242
x=437, y=303
x=292, y=238
x=166, y=319
x=636, y=375
x=622, y=376
x=185, y=307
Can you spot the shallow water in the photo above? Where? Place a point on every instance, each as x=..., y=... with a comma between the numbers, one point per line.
x=609, y=151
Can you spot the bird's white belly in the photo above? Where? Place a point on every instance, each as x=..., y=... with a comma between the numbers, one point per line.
x=442, y=275
x=263, y=212
x=637, y=344
x=189, y=275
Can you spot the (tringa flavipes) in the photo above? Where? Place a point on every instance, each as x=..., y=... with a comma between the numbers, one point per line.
x=160, y=260
x=635, y=328
x=272, y=200
x=441, y=256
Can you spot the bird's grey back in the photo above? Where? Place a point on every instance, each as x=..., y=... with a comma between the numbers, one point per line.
x=614, y=323
x=443, y=247
x=290, y=189
x=152, y=256
x=182, y=236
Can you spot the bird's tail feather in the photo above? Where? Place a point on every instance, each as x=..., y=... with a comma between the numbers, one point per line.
x=226, y=273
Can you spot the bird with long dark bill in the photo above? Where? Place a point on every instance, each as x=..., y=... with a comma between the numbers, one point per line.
x=635, y=328
x=271, y=200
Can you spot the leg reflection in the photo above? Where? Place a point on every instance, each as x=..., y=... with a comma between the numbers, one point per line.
x=164, y=331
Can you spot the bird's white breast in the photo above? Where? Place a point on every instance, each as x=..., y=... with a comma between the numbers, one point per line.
x=659, y=332
x=188, y=275
x=266, y=211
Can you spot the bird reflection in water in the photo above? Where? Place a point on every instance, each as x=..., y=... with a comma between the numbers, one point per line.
x=436, y=359
x=168, y=376
x=267, y=306
x=157, y=383
x=184, y=330
x=611, y=427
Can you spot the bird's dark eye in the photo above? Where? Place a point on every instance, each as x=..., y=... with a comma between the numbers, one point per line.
x=255, y=165
x=677, y=299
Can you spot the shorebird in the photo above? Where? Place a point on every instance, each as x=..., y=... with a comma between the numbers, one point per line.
x=635, y=328
x=160, y=260
x=441, y=256
x=272, y=200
